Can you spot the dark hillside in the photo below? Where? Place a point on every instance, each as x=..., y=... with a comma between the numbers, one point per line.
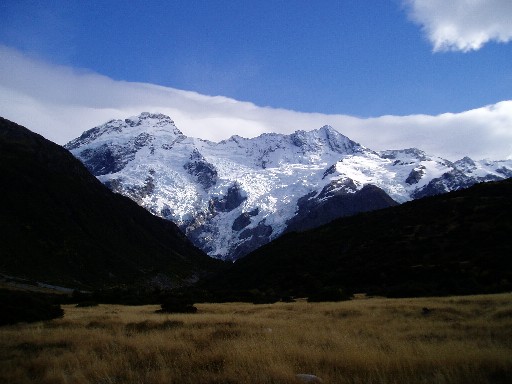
x=59, y=224
x=457, y=243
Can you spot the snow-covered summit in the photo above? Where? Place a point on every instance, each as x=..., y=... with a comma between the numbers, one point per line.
x=323, y=140
x=232, y=196
x=145, y=123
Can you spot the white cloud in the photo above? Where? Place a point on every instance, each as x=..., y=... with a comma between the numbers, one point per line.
x=60, y=103
x=463, y=25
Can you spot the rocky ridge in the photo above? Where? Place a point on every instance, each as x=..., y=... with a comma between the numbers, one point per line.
x=233, y=196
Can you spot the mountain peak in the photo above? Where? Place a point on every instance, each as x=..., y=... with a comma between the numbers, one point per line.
x=466, y=160
x=411, y=153
x=327, y=129
x=145, y=123
x=190, y=181
x=337, y=142
x=147, y=118
x=153, y=121
x=466, y=164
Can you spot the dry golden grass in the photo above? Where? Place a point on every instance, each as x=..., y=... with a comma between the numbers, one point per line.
x=461, y=340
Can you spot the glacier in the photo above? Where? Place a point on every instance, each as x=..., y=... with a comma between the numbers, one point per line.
x=232, y=196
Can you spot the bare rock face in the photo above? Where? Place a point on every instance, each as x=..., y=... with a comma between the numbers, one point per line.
x=415, y=175
x=316, y=211
x=230, y=201
x=252, y=238
x=452, y=181
x=204, y=172
x=244, y=220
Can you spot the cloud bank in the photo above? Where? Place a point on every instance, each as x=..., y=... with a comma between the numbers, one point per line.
x=60, y=103
x=463, y=25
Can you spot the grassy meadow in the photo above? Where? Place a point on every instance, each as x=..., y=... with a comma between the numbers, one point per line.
x=375, y=340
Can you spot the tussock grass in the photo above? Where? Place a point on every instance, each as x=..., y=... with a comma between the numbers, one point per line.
x=429, y=340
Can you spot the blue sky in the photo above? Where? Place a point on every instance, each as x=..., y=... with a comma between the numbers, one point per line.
x=330, y=60
x=362, y=58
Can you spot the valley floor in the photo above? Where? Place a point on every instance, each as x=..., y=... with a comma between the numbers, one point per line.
x=428, y=340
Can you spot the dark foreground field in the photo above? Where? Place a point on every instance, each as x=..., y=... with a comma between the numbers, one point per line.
x=429, y=340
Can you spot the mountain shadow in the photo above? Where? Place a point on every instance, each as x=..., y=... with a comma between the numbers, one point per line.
x=60, y=225
x=456, y=243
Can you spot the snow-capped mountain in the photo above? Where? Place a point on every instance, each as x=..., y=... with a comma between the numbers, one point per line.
x=233, y=196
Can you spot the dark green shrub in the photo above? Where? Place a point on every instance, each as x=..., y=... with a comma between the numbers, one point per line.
x=287, y=299
x=147, y=326
x=329, y=294
x=17, y=306
x=90, y=303
x=177, y=305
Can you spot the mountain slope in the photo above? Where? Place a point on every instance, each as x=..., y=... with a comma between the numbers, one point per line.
x=233, y=196
x=456, y=243
x=59, y=224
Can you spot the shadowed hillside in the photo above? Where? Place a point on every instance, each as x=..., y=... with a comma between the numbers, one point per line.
x=59, y=224
x=456, y=243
